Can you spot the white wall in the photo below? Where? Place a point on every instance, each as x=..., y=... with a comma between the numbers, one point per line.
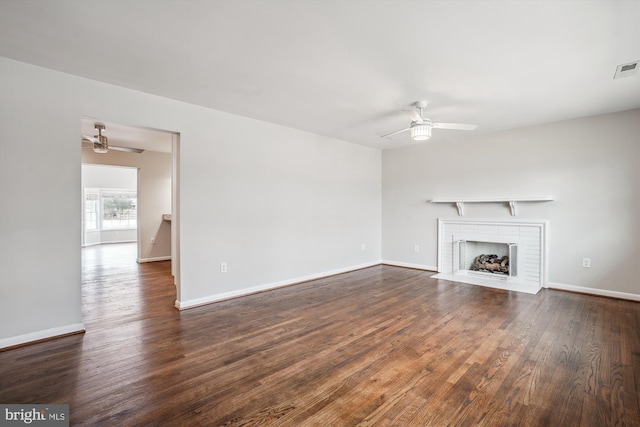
x=154, y=197
x=275, y=203
x=107, y=176
x=590, y=165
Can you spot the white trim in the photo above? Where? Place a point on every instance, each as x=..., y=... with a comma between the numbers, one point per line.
x=503, y=221
x=94, y=244
x=42, y=335
x=154, y=259
x=182, y=305
x=410, y=265
x=594, y=291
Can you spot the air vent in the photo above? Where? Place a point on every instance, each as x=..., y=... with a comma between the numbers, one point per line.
x=626, y=70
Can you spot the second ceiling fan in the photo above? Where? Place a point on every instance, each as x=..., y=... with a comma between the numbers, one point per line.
x=421, y=126
x=100, y=143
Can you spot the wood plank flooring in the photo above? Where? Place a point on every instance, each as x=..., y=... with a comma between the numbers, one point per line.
x=383, y=346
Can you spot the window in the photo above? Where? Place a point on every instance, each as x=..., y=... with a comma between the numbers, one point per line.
x=119, y=210
x=91, y=211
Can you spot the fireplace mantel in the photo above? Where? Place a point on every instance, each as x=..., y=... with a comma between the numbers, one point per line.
x=512, y=201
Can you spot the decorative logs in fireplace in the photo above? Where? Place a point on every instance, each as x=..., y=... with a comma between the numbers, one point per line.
x=491, y=264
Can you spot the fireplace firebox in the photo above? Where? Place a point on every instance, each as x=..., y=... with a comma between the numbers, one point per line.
x=487, y=257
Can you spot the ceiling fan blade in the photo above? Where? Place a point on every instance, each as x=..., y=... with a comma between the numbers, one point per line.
x=91, y=139
x=127, y=149
x=395, y=133
x=453, y=126
x=413, y=115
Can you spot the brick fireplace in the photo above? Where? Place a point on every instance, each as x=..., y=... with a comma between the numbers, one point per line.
x=513, y=252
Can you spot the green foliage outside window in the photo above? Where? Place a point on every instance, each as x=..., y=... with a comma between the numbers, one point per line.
x=119, y=210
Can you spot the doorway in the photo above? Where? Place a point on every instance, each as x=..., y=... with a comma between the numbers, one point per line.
x=149, y=210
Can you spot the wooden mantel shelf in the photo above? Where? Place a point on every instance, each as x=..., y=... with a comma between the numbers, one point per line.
x=511, y=200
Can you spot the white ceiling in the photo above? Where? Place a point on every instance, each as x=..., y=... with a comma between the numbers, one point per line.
x=345, y=68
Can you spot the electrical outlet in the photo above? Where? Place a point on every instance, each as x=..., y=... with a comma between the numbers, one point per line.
x=362, y=247
x=416, y=248
x=586, y=262
x=223, y=267
x=153, y=240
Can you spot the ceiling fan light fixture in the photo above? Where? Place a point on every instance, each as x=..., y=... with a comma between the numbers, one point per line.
x=420, y=127
x=420, y=131
x=102, y=146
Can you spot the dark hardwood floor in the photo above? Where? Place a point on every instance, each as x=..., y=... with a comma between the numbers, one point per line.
x=380, y=346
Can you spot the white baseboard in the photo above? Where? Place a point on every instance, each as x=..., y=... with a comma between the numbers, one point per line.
x=409, y=265
x=158, y=258
x=182, y=305
x=74, y=328
x=594, y=291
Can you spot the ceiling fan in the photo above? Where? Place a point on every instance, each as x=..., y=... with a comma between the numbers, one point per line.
x=421, y=126
x=101, y=143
